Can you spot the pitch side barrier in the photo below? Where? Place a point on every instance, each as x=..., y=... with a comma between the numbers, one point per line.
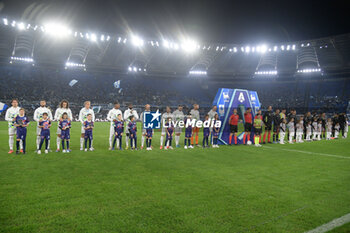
x=228, y=99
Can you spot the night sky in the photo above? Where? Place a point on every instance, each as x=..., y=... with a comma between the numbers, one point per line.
x=206, y=21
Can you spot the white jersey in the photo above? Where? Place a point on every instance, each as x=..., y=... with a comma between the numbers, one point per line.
x=314, y=126
x=178, y=115
x=165, y=117
x=291, y=126
x=308, y=129
x=329, y=127
x=113, y=115
x=319, y=128
x=212, y=114
x=59, y=112
x=83, y=114
x=130, y=112
x=195, y=114
x=11, y=113
x=38, y=114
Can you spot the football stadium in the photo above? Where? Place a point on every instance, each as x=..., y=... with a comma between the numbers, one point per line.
x=174, y=116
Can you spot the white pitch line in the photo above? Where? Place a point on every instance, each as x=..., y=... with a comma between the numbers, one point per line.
x=332, y=224
x=307, y=152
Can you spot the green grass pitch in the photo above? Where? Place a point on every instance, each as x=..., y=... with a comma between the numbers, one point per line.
x=275, y=188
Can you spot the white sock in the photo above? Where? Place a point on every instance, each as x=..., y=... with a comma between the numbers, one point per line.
x=11, y=142
x=142, y=140
x=177, y=139
x=58, y=141
x=21, y=145
x=127, y=141
x=161, y=140
x=81, y=142
x=48, y=144
x=111, y=140
x=38, y=139
x=117, y=143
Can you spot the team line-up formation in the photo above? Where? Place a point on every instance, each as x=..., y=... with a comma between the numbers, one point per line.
x=297, y=129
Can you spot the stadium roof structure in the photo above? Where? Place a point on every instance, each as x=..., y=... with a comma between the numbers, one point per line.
x=44, y=45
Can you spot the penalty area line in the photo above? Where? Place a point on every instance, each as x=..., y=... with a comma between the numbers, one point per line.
x=308, y=152
x=331, y=225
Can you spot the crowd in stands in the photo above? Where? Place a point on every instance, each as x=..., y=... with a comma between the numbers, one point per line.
x=31, y=84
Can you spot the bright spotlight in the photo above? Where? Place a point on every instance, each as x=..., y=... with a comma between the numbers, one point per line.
x=137, y=41
x=6, y=22
x=57, y=30
x=93, y=37
x=263, y=48
x=20, y=26
x=247, y=49
x=166, y=43
x=189, y=45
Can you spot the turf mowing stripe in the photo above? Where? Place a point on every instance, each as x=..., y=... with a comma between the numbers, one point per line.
x=307, y=152
x=332, y=224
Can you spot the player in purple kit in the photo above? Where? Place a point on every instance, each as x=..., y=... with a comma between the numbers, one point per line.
x=206, y=133
x=65, y=126
x=169, y=134
x=133, y=131
x=149, y=134
x=188, y=133
x=118, y=130
x=88, y=127
x=21, y=122
x=44, y=125
x=216, y=132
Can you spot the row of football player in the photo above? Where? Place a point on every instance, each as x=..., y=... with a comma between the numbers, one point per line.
x=18, y=123
x=297, y=129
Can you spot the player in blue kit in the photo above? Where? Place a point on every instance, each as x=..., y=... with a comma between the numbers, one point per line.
x=206, y=133
x=169, y=134
x=133, y=133
x=188, y=133
x=21, y=122
x=216, y=131
x=65, y=126
x=149, y=134
x=44, y=125
x=88, y=127
x=118, y=131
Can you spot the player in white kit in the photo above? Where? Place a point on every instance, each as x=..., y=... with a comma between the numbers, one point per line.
x=129, y=112
x=113, y=116
x=11, y=113
x=195, y=131
x=38, y=116
x=63, y=108
x=84, y=112
x=165, y=118
x=178, y=116
x=211, y=115
x=147, y=109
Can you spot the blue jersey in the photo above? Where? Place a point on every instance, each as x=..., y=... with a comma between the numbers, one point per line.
x=149, y=132
x=132, y=127
x=216, y=130
x=119, y=127
x=88, y=125
x=170, y=128
x=45, y=130
x=206, y=132
x=21, y=122
x=65, y=125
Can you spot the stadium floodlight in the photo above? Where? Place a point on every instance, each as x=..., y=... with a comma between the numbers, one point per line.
x=266, y=73
x=72, y=64
x=134, y=69
x=6, y=22
x=93, y=37
x=198, y=72
x=275, y=48
x=247, y=49
x=22, y=59
x=124, y=41
x=108, y=38
x=20, y=26
x=234, y=49
x=176, y=46
x=102, y=38
x=263, y=48
x=314, y=70
x=81, y=35
x=119, y=39
x=293, y=47
x=253, y=49
x=282, y=47
x=13, y=24
x=28, y=26
x=35, y=27
x=166, y=43
x=87, y=35
x=57, y=30
x=189, y=45
x=137, y=41
x=75, y=34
